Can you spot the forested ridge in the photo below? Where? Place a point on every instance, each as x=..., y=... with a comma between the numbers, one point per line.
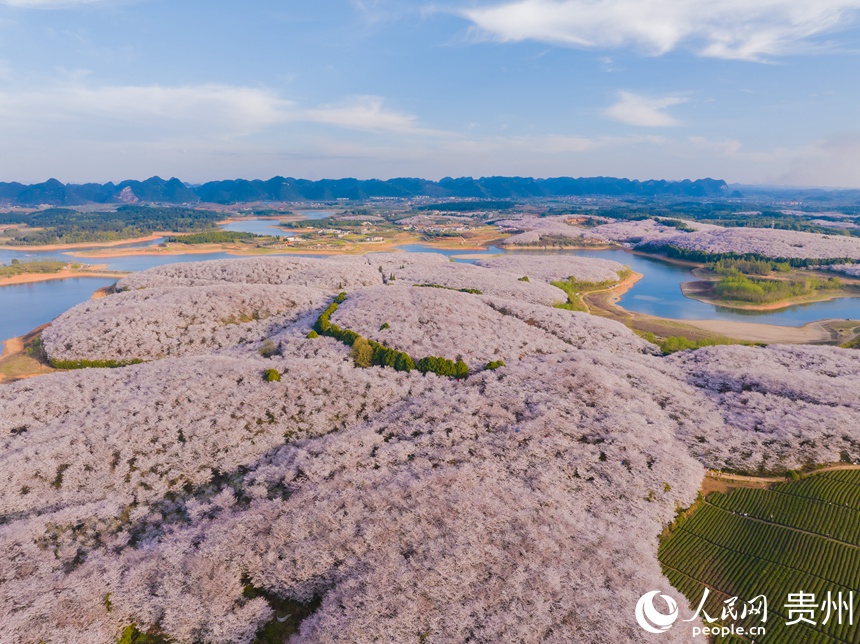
x=68, y=226
x=156, y=189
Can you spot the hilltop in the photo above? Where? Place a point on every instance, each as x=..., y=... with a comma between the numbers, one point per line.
x=479, y=465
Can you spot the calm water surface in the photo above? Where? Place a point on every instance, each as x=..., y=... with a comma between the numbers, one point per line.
x=258, y=227
x=25, y=307
x=659, y=292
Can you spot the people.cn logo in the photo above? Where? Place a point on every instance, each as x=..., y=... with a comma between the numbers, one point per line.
x=650, y=619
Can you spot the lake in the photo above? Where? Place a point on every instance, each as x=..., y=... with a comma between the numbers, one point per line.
x=659, y=292
x=258, y=227
x=24, y=307
x=316, y=214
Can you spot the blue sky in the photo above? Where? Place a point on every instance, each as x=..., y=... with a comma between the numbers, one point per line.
x=752, y=91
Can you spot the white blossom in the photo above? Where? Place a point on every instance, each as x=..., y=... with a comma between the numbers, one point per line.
x=522, y=504
x=549, y=268
x=780, y=244
x=153, y=323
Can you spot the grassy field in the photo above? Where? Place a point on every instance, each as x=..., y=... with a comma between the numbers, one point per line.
x=791, y=537
x=23, y=268
x=24, y=358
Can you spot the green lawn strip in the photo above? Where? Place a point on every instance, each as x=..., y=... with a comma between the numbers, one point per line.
x=575, y=289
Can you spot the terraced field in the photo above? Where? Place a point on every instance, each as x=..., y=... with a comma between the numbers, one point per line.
x=800, y=536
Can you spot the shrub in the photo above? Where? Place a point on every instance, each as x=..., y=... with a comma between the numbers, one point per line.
x=362, y=353
x=442, y=366
x=272, y=375
x=461, y=369
x=495, y=364
x=403, y=362
x=268, y=349
x=36, y=350
x=313, y=334
x=133, y=636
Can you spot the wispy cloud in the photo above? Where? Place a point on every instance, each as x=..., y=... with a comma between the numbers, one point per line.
x=363, y=113
x=224, y=110
x=643, y=111
x=229, y=109
x=732, y=29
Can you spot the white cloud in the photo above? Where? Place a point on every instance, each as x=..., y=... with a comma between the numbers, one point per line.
x=364, y=113
x=80, y=131
x=226, y=109
x=643, y=111
x=734, y=29
x=223, y=110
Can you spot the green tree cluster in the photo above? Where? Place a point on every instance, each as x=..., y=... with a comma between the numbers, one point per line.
x=367, y=353
x=66, y=226
x=443, y=367
x=212, y=237
x=68, y=365
x=473, y=291
x=674, y=343
x=738, y=287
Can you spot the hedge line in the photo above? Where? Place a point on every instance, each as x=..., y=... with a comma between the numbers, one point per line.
x=69, y=365
x=383, y=356
x=473, y=291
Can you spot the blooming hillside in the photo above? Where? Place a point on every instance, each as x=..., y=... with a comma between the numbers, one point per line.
x=780, y=244
x=550, y=268
x=518, y=503
x=540, y=230
x=157, y=322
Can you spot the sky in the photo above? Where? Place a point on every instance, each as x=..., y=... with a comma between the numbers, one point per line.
x=750, y=91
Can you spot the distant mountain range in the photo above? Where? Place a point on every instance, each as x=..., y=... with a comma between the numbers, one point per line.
x=156, y=189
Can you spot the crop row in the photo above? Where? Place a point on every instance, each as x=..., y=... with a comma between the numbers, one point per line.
x=773, y=543
x=825, y=487
x=801, y=513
